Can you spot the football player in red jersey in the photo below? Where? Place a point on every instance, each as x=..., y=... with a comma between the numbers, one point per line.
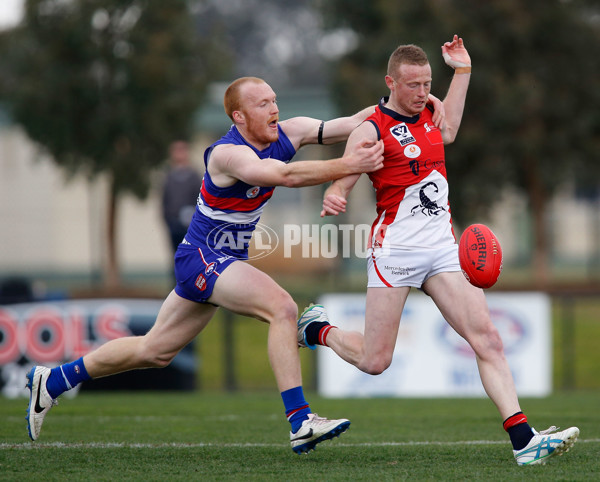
x=412, y=243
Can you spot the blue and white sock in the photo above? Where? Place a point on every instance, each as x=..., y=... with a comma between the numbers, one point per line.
x=296, y=408
x=65, y=377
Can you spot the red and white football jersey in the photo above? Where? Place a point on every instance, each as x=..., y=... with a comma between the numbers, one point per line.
x=412, y=188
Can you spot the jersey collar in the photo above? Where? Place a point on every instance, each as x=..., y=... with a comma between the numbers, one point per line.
x=394, y=115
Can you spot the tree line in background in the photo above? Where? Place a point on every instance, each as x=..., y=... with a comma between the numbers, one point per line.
x=105, y=85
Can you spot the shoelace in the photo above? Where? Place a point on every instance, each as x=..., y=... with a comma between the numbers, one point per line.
x=317, y=419
x=549, y=430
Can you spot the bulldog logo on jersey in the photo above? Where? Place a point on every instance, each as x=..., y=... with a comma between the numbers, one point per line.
x=252, y=192
x=402, y=134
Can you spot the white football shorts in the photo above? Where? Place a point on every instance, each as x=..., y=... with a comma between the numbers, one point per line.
x=396, y=268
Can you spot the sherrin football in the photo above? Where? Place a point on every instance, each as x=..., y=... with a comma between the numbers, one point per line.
x=480, y=256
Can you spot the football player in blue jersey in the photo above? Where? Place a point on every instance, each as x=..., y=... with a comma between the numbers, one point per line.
x=241, y=170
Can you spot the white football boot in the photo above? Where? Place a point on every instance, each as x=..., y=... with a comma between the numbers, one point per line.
x=310, y=315
x=315, y=430
x=545, y=444
x=40, y=401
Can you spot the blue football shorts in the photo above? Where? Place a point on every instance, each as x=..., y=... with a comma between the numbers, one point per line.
x=197, y=269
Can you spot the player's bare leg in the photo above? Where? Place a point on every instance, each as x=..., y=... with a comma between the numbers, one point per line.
x=464, y=307
x=372, y=351
x=248, y=291
x=178, y=322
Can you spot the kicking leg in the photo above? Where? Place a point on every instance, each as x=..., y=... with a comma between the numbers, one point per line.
x=464, y=307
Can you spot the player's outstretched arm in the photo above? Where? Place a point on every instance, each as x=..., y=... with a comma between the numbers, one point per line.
x=456, y=56
x=334, y=200
x=339, y=130
x=306, y=130
x=229, y=163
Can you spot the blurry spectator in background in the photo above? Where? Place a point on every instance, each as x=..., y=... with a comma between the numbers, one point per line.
x=179, y=192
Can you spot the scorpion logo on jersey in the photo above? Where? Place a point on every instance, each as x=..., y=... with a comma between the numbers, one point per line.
x=427, y=206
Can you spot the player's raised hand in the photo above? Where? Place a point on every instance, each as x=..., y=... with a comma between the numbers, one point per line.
x=365, y=156
x=455, y=54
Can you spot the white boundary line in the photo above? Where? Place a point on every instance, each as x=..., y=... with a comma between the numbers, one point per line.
x=109, y=445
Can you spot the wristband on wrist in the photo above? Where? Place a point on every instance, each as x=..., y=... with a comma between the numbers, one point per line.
x=462, y=70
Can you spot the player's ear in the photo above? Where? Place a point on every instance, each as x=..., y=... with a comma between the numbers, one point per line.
x=389, y=81
x=238, y=117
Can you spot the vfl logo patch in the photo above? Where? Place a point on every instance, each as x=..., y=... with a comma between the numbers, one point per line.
x=402, y=134
x=210, y=268
x=252, y=192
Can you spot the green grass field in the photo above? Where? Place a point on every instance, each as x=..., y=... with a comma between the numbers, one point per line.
x=244, y=436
